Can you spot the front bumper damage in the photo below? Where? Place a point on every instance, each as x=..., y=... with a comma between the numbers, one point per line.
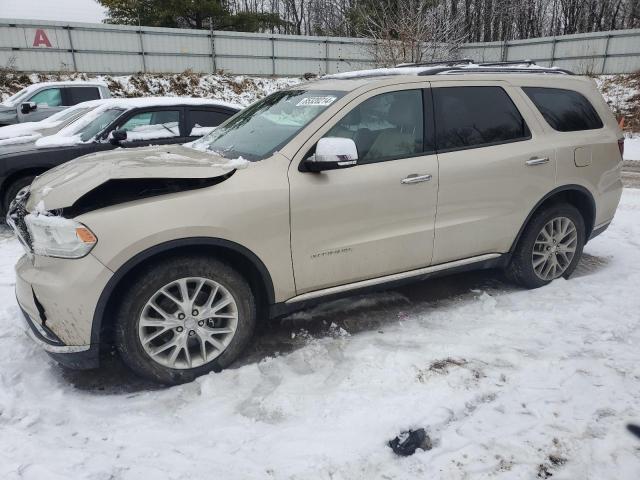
x=58, y=299
x=79, y=357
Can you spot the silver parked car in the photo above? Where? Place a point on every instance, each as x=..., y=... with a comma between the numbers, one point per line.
x=41, y=100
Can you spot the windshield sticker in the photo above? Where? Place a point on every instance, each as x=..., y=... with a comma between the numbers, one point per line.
x=323, y=101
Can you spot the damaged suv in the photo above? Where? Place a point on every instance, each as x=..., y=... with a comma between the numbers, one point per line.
x=342, y=185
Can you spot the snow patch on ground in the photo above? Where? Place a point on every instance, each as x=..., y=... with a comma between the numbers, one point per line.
x=509, y=384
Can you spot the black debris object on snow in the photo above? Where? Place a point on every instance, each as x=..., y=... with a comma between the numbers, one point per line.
x=408, y=442
x=635, y=429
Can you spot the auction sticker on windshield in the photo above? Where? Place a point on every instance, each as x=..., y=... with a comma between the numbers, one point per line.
x=323, y=101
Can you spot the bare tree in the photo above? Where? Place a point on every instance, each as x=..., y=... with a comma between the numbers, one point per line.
x=411, y=31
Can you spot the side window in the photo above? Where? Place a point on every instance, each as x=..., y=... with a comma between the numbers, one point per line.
x=51, y=96
x=564, y=110
x=469, y=117
x=384, y=127
x=77, y=95
x=202, y=122
x=152, y=125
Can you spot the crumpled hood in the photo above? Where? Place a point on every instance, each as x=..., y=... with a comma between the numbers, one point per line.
x=62, y=186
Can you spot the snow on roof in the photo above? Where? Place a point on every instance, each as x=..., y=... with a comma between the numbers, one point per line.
x=140, y=102
x=36, y=86
x=70, y=135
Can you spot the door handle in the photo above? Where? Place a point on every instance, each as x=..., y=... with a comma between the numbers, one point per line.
x=537, y=161
x=415, y=178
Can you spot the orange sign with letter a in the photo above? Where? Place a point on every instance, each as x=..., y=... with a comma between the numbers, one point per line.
x=41, y=39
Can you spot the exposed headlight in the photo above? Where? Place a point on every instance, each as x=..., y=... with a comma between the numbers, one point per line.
x=53, y=236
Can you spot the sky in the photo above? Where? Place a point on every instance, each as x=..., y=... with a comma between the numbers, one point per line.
x=62, y=10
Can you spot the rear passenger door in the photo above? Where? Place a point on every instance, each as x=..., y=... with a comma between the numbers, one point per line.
x=202, y=120
x=157, y=126
x=74, y=95
x=493, y=167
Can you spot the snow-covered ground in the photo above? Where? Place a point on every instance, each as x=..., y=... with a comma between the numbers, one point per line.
x=509, y=384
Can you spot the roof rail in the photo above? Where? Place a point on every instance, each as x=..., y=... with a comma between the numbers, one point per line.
x=507, y=62
x=445, y=63
x=486, y=69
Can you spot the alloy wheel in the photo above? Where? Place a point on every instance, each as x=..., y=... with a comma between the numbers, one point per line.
x=554, y=248
x=188, y=323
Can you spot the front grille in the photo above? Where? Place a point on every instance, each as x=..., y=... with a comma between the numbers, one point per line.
x=15, y=218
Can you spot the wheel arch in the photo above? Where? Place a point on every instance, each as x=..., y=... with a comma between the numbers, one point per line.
x=16, y=175
x=576, y=195
x=241, y=258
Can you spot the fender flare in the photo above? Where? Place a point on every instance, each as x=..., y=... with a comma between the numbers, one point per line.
x=129, y=265
x=563, y=188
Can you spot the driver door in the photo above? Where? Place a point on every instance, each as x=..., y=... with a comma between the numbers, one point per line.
x=369, y=220
x=48, y=101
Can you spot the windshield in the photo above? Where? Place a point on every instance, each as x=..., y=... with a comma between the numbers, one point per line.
x=97, y=124
x=16, y=97
x=266, y=126
x=67, y=113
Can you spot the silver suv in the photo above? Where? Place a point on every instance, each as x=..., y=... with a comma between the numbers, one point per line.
x=337, y=186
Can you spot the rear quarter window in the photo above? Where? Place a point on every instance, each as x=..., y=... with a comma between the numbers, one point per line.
x=564, y=110
x=202, y=122
x=77, y=95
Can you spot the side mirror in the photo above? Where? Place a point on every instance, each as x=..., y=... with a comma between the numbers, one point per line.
x=332, y=153
x=28, y=107
x=118, y=136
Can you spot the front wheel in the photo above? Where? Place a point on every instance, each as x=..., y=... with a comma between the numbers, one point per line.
x=183, y=318
x=550, y=247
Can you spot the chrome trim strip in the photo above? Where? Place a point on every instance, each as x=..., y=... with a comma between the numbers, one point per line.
x=391, y=278
x=603, y=224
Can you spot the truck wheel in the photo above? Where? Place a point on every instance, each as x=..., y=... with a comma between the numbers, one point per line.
x=550, y=247
x=185, y=317
x=12, y=190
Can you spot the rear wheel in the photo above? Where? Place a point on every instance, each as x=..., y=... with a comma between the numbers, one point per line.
x=183, y=318
x=550, y=247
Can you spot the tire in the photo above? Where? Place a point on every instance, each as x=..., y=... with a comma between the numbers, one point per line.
x=13, y=189
x=527, y=268
x=187, y=333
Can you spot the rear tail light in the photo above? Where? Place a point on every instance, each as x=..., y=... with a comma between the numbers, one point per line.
x=621, y=146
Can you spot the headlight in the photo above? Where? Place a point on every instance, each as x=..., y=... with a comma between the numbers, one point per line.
x=53, y=236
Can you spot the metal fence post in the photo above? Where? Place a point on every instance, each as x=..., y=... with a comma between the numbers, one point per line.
x=606, y=53
x=144, y=63
x=273, y=56
x=326, y=56
x=73, y=52
x=213, y=46
x=505, y=51
x=553, y=50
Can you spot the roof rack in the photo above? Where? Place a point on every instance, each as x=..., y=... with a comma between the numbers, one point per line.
x=508, y=62
x=444, y=63
x=453, y=67
x=489, y=69
x=462, y=65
